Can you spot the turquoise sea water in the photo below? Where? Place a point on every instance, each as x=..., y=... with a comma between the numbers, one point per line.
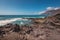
x=2, y=17
x=13, y=18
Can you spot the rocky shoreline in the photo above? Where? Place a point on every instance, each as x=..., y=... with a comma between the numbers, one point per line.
x=41, y=29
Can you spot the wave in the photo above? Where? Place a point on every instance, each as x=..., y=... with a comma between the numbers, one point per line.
x=4, y=22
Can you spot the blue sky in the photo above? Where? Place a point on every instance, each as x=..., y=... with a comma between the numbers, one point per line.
x=26, y=7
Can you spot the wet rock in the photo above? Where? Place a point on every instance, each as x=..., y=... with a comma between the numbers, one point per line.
x=48, y=30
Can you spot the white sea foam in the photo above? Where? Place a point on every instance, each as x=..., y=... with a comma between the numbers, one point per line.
x=4, y=22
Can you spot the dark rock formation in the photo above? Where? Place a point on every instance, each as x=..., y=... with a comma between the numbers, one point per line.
x=48, y=30
x=16, y=28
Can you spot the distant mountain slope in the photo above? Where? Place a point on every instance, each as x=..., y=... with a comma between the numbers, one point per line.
x=51, y=12
x=54, y=19
x=52, y=26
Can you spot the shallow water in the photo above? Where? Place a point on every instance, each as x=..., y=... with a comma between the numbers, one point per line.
x=17, y=19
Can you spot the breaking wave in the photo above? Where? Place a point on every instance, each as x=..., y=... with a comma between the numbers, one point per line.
x=4, y=22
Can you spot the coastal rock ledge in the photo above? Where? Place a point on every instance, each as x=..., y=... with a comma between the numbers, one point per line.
x=48, y=30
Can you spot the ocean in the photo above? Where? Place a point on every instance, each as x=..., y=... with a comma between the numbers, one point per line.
x=17, y=19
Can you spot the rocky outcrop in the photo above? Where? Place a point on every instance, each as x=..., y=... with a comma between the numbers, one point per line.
x=48, y=30
x=52, y=24
x=24, y=32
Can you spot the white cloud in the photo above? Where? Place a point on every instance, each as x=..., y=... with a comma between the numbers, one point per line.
x=57, y=8
x=53, y=8
x=49, y=8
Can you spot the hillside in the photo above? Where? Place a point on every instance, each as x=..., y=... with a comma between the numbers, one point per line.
x=49, y=29
x=51, y=12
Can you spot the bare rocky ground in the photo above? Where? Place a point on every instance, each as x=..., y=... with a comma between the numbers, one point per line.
x=48, y=30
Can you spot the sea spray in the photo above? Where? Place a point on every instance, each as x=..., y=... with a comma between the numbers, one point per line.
x=4, y=22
